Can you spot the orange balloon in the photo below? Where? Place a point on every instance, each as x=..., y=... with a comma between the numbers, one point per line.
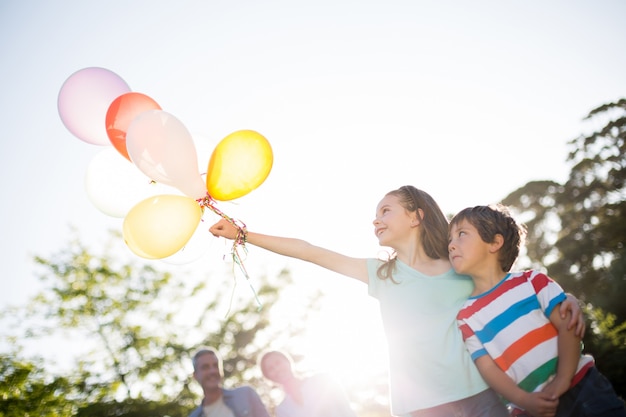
x=238, y=165
x=122, y=111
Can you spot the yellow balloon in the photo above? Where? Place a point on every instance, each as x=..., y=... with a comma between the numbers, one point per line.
x=238, y=165
x=160, y=226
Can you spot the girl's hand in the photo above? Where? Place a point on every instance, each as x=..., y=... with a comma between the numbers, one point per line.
x=577, y=318
x=224, y=228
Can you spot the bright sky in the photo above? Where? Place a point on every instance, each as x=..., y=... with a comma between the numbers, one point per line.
x=466, y=100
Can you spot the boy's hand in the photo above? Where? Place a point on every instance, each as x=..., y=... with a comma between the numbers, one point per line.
x=556, y=387
x=540, y=404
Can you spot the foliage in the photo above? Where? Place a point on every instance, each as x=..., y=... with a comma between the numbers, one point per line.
x=577, y=230
x=608, y=349
x=24, y=391
x=118, y=307
x=139, y=327
x=133, y=408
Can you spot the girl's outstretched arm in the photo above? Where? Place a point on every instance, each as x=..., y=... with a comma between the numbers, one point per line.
x=299, y=249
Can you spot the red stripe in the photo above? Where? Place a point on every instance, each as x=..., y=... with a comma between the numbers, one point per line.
x=466, y=331
x=581, y=374
x=481, y=302
x=540, y=281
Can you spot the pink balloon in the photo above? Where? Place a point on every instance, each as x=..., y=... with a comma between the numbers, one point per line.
x=84, y=100
x=162, y=148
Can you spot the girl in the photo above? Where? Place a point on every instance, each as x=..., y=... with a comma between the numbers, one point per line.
x=431, y=374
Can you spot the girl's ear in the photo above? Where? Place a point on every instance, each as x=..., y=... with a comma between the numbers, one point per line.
x=416, y=217
x=498, y=241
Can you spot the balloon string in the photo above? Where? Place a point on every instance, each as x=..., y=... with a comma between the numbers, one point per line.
x=238, y=242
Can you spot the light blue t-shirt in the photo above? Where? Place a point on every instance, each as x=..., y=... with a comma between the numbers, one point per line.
x=428, y=362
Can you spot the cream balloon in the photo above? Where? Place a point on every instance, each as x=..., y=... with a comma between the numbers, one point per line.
x=162, y=148
x=198, y=245
x=160, y=226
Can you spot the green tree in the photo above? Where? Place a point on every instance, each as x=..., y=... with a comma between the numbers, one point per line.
x=26, y=391
x=608, y=346
x=140, y=326
x=577, y=231
x=124, y=313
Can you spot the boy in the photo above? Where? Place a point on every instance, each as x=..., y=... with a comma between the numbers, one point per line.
x=512, y=329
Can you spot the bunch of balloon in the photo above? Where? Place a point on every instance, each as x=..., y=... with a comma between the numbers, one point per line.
x=98, y=107
x=162, y=148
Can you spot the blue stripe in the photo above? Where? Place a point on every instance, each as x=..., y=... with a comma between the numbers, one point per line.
x=554, y=302
x=508, y=316
x=479, y=353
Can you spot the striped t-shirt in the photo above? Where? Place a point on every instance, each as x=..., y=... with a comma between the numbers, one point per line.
x=510, y=323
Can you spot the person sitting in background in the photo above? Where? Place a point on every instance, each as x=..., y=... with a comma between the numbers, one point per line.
x=317, y=395
x=218, y=401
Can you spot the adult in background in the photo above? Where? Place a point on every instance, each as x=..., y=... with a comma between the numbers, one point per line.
x=218, y=401
x=317, y=395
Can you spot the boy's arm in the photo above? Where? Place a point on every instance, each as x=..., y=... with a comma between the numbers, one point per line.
x=569, y=355
x=537, y=403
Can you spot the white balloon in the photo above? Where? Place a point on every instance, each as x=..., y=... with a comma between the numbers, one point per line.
x=114, y=185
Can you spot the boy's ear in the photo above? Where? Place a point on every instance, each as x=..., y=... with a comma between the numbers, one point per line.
x=498, y=241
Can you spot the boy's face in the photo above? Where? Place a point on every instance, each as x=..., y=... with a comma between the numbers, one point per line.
x=468, y=253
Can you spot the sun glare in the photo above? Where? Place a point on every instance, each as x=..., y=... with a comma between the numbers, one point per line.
x=345, y=338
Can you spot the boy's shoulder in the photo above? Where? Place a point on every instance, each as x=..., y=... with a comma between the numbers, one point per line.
x=527, y=273
x=530, y=275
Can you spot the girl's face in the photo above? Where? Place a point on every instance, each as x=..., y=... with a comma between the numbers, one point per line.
x=393, y=223
x=276, y=367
